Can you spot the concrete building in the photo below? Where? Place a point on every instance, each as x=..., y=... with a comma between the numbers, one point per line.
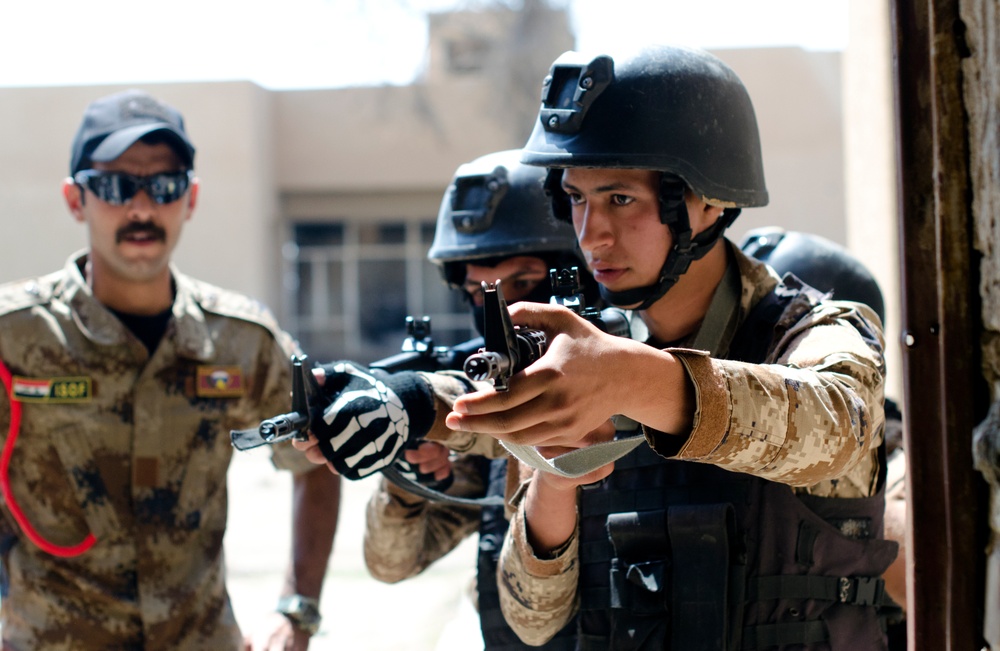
x=322, y=202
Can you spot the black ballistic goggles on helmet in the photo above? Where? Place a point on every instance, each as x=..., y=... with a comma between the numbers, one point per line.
x=118, y=188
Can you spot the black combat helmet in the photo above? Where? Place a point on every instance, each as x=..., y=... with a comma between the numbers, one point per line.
x=678, y=111
x=496, y=208
x=823, y=264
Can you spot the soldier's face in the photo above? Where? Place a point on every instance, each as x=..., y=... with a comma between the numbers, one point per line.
x=519, y=276
x=133, y=242
x=616, y=215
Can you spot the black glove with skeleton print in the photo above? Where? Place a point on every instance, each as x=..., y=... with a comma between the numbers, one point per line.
x=371, y=417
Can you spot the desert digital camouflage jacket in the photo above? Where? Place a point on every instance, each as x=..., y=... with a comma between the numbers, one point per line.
x=404, y=533
x=133, y=449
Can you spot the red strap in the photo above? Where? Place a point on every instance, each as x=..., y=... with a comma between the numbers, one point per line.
x=15, y=509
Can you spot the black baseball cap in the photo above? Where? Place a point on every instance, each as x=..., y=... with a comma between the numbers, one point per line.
x=114, y=123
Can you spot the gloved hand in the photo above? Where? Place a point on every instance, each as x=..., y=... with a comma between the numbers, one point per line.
x=431, y=454
x=371, y=417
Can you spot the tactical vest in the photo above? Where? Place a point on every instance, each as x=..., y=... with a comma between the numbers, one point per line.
x=497, y=634
x=690, y=557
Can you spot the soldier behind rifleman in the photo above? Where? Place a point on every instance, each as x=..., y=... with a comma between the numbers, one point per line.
x=494, y=224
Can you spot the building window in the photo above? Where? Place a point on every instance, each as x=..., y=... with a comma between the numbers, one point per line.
x=352, y=285
x=468, y=55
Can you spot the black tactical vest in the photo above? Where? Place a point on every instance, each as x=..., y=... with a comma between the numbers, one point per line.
x=690, y=557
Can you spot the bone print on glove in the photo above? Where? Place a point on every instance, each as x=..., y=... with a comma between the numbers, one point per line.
x=371, y=417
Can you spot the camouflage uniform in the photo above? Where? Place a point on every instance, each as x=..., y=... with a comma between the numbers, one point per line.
x=814, y=423
x=135, y=450
x=404, y=533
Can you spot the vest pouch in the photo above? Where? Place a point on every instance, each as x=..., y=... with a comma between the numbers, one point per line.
x=821, y=588
x=673, y=573
x=702, y=549
x=638, y=569
x=639, y=579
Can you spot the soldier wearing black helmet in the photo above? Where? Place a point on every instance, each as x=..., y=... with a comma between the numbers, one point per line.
x=819, y=262
x=749, y=513
x=494, y=219
x=494, y=223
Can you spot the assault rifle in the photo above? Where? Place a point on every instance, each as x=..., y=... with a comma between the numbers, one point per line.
x=418, y=354
x=509, y=349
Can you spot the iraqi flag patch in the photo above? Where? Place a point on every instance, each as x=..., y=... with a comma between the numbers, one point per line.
x=53, y=389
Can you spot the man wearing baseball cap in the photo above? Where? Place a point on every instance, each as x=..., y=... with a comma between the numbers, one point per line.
x=123, y=378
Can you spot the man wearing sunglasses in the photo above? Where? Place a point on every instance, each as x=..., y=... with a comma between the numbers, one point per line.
x=123, y=378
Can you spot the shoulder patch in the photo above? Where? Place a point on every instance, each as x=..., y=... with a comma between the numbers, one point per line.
x=22, y=294
x=220, y=382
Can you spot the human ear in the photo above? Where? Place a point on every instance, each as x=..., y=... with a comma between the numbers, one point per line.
x=701, y=214
x=73, y=195
x=193, y=196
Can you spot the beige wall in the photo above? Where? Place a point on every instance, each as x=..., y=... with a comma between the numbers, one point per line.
x=797, y=98
x=387, y=138
x=870, y=166
x=266, y=157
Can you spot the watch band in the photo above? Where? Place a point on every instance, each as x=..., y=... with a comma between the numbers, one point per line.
x=303, y=612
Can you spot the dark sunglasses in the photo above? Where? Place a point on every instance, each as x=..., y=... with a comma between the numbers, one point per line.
x=118, y=188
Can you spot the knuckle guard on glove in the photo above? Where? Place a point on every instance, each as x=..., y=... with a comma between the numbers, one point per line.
x=371, y=417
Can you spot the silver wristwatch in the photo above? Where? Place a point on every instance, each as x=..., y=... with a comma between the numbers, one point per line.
x=303, y=612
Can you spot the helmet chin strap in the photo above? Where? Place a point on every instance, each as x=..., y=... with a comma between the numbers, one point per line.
x=686, y=250
x=673, y=213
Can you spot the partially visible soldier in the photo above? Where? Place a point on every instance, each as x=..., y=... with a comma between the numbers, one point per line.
x=123, y=378
x=829, y=267
x=821, y=263
x=494, y=223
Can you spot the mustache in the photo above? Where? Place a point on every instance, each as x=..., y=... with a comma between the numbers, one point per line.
x=140, y=228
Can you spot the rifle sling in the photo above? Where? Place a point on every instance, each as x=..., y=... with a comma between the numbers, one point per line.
x=420, y=490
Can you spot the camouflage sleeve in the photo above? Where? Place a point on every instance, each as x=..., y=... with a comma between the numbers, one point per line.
x=812, y=419
x=405, y=533
x=447, y=387
x=538, y=596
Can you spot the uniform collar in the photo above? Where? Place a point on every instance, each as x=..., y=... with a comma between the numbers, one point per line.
x=745, y=281
x=189, y=332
